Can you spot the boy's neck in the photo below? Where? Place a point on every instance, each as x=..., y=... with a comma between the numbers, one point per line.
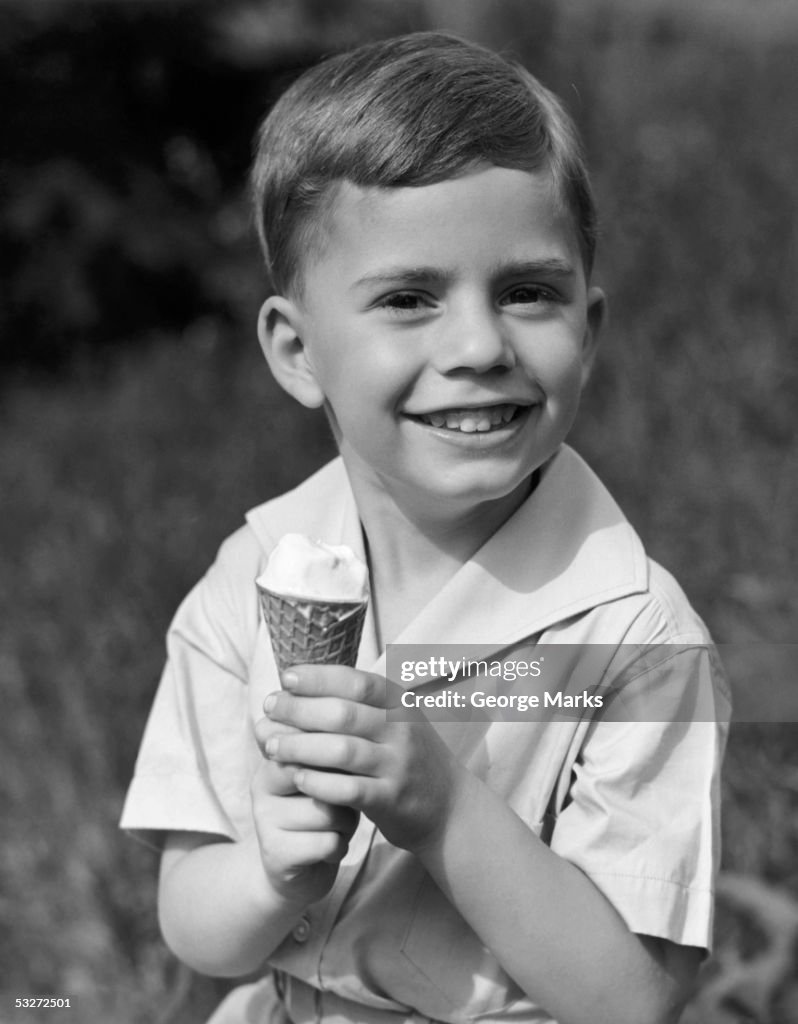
x=414, y=551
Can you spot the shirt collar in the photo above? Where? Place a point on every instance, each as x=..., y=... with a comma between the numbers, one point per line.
x=567, y=549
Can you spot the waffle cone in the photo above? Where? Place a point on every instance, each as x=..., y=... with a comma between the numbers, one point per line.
x=312, y=632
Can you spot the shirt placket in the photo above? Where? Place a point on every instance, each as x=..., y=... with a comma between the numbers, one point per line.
x=312, y=932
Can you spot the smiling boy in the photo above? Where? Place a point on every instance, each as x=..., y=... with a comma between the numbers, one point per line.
x=448, y=330
x=429, y=233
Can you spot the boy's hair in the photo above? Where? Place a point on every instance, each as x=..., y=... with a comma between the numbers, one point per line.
x=412, y=110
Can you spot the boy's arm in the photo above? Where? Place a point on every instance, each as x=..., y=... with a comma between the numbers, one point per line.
x=546, y=922
x=223, y=906
x=216, y=911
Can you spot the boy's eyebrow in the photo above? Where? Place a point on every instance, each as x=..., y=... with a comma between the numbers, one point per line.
x=403, y=275
x=546, y=266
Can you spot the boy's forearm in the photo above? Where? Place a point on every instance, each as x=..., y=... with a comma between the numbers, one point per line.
x=218, y=913
x=551, y=929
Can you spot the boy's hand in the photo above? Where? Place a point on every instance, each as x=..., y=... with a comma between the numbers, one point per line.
x=302, y=840
x=346, y=752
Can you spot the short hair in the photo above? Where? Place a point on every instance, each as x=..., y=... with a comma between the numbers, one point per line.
x=411, y=110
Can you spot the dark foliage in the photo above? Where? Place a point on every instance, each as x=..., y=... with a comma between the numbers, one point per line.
x=125, y=149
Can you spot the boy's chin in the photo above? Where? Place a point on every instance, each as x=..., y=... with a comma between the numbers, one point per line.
x=464, y=494
x=434, y=489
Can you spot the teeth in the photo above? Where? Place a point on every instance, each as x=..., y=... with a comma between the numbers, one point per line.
x=471, y=421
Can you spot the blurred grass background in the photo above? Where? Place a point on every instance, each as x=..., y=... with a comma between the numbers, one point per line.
x=137, y=422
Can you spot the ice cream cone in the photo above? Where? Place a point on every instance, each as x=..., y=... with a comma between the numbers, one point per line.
x=312, y=632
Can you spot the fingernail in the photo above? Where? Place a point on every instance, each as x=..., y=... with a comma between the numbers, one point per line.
x=269, y=703
x=289, y=679
x=271, y=747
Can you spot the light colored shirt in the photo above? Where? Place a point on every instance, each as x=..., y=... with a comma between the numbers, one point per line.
x=633, y=804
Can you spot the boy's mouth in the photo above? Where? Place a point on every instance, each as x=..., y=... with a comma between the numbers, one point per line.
x=471, y=421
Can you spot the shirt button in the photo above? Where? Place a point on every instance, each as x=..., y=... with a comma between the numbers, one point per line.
x=301, y=932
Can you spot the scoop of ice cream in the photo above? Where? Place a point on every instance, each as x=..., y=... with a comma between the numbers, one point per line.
x=310, y=569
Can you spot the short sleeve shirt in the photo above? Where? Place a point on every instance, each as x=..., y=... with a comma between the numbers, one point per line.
x=633, y=804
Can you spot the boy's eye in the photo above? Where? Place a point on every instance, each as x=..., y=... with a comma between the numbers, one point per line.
x=528, y=295
x=400, y=303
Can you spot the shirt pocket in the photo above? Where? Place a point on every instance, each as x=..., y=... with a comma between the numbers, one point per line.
x=455, y=976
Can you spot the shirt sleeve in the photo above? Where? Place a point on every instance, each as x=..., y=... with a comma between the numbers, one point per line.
x=193, y=767
x=641, y=818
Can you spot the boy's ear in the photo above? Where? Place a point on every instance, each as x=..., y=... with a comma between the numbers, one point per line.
x=281, y=338
x=596, y=321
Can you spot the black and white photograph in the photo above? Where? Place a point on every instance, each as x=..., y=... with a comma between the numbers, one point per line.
x=399, y=475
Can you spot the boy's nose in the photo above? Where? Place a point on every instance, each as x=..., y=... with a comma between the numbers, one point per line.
x=474, y=340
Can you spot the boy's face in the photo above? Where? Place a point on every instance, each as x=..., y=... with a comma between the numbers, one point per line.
x=449, y=328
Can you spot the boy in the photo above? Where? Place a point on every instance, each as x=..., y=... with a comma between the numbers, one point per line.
x=429, y=233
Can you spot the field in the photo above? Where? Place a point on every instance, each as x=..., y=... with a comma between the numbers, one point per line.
x=123, y=468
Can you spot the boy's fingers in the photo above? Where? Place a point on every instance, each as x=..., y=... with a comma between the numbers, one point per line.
x=309, y=848
x=321, y=714
x=271, y=779
x=303, y=814
x=265, y=727
x=336, y=681
x=346, y=790
x=335, y=753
